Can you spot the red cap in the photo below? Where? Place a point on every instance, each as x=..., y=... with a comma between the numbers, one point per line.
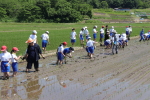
x=64, y=43
x=3, y=48
x=15, y=49
x=126, y=26
x=103, y=26
x=149, y=31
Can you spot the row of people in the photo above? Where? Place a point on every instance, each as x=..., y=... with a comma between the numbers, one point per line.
x=32, y=56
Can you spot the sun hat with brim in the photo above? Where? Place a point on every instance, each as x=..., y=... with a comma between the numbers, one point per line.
x=3, y=48
x=29, y=41
x=85, y=27
x=15, y=49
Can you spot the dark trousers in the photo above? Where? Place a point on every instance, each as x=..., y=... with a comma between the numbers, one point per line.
x=114, y=48
x=30, y=62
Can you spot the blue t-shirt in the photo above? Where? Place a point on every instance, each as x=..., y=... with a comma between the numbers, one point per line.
x=141, y=33
x=66, y=51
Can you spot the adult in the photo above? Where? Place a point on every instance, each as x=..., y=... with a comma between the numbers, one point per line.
x=81, y=36
x=5, y=58
x=33, y=36
x=67, y=52
x=73, y=36
x=107, y=35
x=115, y=43
x=60, y=54
x=142, y=35
x=86, y=32
x=94, y=33
x=45, y=40
x=101, y=35
x=90, y=47
x=33, y=55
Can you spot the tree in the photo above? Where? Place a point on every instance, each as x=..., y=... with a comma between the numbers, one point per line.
x=29, y=13
x=104, y=4
x=2, y=13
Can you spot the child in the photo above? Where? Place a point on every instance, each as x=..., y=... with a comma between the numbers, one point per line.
x=94, y=33
x=67, y=52
x=5, y=58
x=60, y=54
x=142, y=35
x=14, y=60
x=90, y=47
x=73, y=36
x=81, y=36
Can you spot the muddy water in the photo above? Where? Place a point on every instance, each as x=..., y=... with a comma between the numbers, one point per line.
x=123, y=76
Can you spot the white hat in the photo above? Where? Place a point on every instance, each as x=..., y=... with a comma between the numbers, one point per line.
x=47, y=32
x=112, y=27
x=89, y=37
x=34, y=31
x=85, y=27
x=95, y=26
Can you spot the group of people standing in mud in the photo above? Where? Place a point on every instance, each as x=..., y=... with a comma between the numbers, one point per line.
x=107, y=37
x=32, y=55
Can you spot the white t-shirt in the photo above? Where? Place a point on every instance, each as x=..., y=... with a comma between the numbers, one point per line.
x=34, y=37
x=127, y=29
x=111, y=30
x=94, y=31
x=124, y=36
x=81, y=32
x=146, y=34
x=12, y=58
x=102, y=30
x=73, y=35
x=108, y=41
x=86, y=32
x=44, y=36
x=130, y=29
x=5, y=56
x=61, y=49
x=90, y=43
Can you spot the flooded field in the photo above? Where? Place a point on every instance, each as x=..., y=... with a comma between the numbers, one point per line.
x=123, y=76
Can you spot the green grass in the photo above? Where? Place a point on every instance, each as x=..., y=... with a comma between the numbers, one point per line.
x=15, y=34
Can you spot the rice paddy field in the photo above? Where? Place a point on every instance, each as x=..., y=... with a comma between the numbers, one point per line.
x=15, y=34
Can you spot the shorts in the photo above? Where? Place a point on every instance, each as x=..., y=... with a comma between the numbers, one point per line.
x=120, y=42
x=15, y=66
x=87, y=36
x=60, y=56
x=102, y=35
x=91, y=50
x=44, y=43
x=127, y=33
x=94, y=36
x=106, y=43
x=73, y=40
x=81, y=37
x=5, y=68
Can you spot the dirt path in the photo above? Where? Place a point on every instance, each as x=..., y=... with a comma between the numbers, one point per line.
x=123, y=76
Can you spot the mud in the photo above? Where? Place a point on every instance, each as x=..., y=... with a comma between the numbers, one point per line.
x=123, y=76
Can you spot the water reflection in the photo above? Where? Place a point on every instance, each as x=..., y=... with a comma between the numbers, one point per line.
x=33, y=88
